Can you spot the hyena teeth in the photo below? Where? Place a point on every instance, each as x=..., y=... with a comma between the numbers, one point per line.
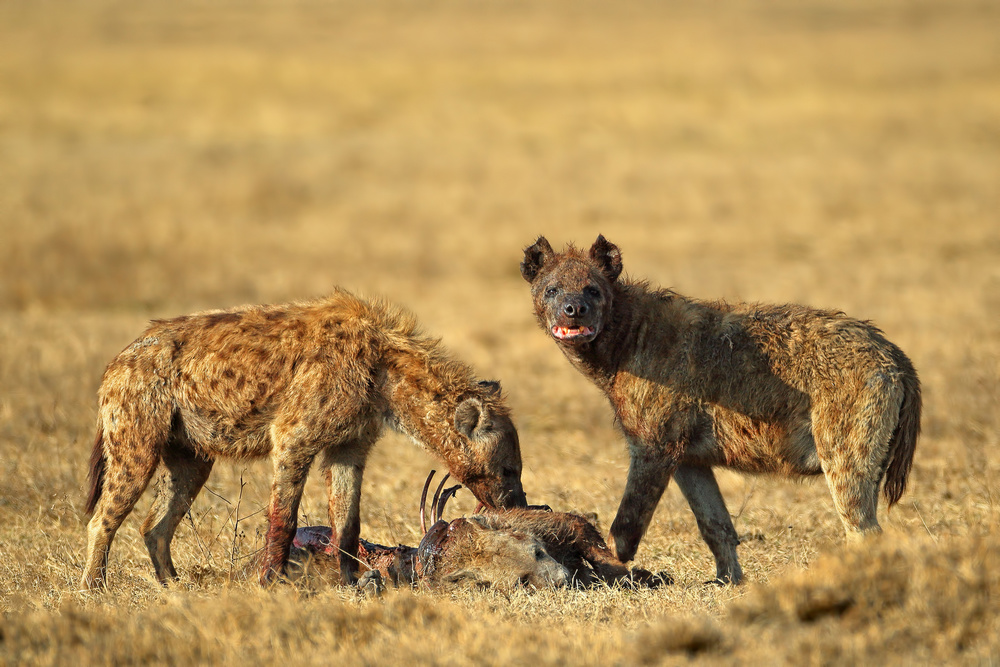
x=571, y=332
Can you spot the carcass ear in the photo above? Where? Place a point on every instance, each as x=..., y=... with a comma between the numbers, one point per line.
x=491, y=386
x=608, y=257
x=469, y=416
x=465, y=577
x=535, y=257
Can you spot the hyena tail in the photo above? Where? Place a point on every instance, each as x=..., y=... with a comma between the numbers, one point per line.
x=97, y=465
x=904, y=440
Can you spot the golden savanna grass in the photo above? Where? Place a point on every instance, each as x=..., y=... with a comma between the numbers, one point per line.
x=159, y=158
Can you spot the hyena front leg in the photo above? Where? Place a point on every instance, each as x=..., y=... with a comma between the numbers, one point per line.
x=181, y=478
x=702, y=493
x=649, y=472
x=344, y=467
x=292, y=458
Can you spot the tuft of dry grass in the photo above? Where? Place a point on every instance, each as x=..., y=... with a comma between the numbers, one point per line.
x=913, y=601
x=163, y=158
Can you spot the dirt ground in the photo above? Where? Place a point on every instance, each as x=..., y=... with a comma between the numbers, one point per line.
x=162, y=158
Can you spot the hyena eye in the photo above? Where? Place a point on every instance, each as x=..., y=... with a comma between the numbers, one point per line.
x=551, y=291
x=592, y=292
x=539, y=554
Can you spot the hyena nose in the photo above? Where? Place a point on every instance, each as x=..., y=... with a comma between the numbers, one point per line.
x=575, y=309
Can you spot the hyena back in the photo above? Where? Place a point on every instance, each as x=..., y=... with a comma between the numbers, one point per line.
x=755, y=388
x=292, y=382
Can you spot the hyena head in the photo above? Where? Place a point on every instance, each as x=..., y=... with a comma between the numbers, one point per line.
x=471, y=553
x=572, y=292
x=492, y=466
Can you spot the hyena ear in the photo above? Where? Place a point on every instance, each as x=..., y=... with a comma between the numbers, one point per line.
x=535, y=257
x=491, y=386
x=470, y=417
x=607, y=256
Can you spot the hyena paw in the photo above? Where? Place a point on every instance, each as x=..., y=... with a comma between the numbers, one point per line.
x=646, y=579
x=732, y=576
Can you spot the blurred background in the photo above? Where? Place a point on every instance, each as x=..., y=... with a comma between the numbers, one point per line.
x=165, y=157
x=160, y=158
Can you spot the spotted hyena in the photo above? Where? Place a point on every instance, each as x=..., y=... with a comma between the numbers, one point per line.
x=756, y=388
x=292, y=382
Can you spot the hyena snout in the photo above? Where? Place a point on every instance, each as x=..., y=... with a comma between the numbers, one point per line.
x=575, y=308
x=498, y=492
x=514, y=499
x=512, y=492
x=574, y=318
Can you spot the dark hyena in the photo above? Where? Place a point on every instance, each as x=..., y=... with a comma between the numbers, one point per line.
x=293, y=382
x=756, y=388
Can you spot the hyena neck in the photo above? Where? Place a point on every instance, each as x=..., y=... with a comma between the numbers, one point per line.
x=422, y=392
x=601, y=359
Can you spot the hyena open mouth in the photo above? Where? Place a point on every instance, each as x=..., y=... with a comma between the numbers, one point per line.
x=573, y=333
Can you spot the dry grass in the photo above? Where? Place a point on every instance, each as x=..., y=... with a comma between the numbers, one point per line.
x=159, y=158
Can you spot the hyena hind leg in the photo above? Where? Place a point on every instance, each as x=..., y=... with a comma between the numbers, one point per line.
x=181, y=478
x=855, y=496
x=124, y=481
x=855, y=452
